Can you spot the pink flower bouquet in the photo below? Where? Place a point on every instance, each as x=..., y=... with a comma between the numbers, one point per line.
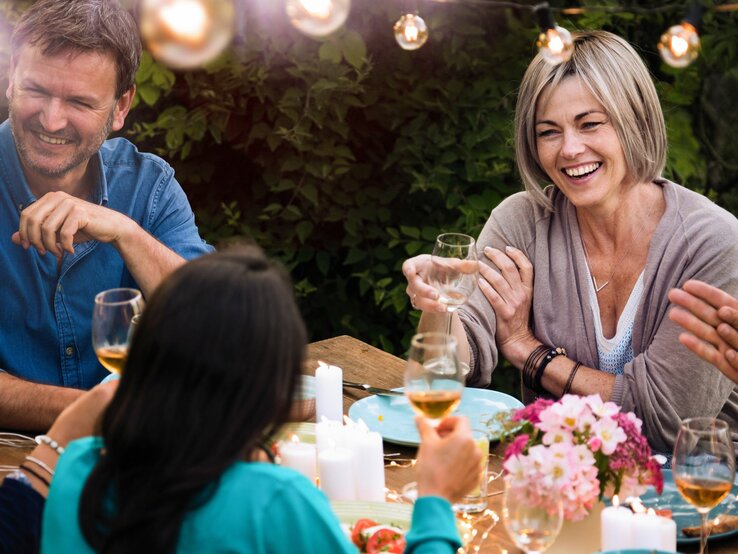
x=582, y=447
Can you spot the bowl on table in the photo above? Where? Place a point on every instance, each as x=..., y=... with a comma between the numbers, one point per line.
x=303, y=405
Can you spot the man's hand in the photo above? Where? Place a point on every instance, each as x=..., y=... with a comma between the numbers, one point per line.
x=57, y=221
x=710, y=317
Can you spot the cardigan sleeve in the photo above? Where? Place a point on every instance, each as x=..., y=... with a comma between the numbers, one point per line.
x=665, y=382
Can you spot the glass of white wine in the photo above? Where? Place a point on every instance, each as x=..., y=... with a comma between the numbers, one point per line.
x=434, y=378
x=703, y=466
x=533, y=521
x=114, y=316
x=454, y=270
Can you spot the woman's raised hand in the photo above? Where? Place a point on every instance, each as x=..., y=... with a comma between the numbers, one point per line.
x=422, y=296
x=510, y=292
x=448, y=458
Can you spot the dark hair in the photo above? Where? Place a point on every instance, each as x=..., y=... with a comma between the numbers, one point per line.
x=60, y=26
x=211, y=371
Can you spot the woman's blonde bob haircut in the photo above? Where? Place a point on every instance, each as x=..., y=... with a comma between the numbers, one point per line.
x=617, y=77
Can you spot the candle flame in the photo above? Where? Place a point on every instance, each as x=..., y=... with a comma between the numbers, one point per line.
x=615, y=501
x=321, y=363
x=651, y=512
x=295, y=438
x=637, y=506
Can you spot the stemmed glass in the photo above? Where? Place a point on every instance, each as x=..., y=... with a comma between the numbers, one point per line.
x=454, y=270
x=703, y=466
x=433, y=376
x=114, y=318
x=532, y=520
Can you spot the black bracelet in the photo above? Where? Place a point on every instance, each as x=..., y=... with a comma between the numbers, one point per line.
x=36, y=475
x=550, y=355
x=570, y=380
x=531, y=363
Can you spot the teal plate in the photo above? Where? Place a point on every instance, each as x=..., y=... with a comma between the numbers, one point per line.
x=394, y=419
x=684, y=513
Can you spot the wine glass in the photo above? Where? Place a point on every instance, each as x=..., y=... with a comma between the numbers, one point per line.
x=533, y=520
x=433, y=375
x=114, y=318
x=454, y=269
x=703, y=466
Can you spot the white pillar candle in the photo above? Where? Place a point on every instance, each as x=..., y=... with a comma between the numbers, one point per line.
x=300, y=456
x=328, y=392
x=652, y=531
x=615, y=525
x=337, y=473
x=330, y=434
x=368, y=465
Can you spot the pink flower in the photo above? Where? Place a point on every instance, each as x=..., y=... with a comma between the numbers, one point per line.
x=582, y=448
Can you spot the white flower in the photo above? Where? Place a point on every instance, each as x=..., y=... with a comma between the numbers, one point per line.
x=610, y=433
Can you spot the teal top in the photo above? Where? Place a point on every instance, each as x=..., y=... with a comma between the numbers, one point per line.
x=257, y=508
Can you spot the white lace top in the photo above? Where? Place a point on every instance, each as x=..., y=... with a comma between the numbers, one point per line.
x=617, y=351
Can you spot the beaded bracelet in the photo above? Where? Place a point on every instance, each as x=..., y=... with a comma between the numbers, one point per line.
x=570, y=380
x=51, y=443
x=550, y=355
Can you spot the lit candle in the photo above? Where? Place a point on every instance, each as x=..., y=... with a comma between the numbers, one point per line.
x=328, y=392
x=368, y=464
x=299, y=456
x=337, y=473
x=329, y=434
x=615, y=522
x=652, y=531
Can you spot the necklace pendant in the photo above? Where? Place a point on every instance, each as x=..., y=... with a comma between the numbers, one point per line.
x=602, y=286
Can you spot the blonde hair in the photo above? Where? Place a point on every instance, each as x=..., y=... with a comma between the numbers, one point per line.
x=616, y=76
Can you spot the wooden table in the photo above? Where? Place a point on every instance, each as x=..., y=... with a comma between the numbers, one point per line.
x=364, y=363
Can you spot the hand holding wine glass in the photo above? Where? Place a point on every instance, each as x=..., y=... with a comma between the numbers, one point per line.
x=113, y=320
x=703, y=466
x=433, y=376
x=533, y=521
x=454, y=269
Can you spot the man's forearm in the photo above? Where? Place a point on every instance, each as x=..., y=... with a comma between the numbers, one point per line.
x=29, y=406
x=148, y=260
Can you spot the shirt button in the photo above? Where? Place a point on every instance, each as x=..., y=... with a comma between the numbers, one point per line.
x=58, y=288
x=69, y=350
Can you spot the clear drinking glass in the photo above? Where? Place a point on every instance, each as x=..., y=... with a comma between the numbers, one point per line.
x=532, y=520
x=455, y=268
x=703, y=466
x=113, y=320
x=434, y=380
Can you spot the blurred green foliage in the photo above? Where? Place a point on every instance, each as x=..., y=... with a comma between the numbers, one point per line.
x=344, y=156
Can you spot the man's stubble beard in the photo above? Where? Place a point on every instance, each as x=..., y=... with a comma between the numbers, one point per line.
x=79, y=156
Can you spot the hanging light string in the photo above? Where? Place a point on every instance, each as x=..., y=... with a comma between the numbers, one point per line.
x=640, y=10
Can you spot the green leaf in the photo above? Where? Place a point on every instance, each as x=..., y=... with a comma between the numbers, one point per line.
x=149, y=93
x=329, y=52
x=303, y=230
x=353, y=48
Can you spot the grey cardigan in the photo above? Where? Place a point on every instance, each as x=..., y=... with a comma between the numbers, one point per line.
x=665, y=382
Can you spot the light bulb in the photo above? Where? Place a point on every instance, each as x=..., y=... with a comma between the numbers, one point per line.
x=680, y=45
x=411, y=32
x=555, y=45
x=185, y=34
x=318, y=18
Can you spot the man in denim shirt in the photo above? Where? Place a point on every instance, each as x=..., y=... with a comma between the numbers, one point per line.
x=78, y=214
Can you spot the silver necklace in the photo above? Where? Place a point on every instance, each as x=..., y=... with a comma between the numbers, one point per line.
x=620, y=260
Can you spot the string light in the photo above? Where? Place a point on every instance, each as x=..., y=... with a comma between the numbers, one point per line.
x=185, y=34
x=318, y=18
x=680, y=45
x=411, y=32
x=554, y=42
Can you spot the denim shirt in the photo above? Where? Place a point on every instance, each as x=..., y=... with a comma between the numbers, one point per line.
x=46, y=308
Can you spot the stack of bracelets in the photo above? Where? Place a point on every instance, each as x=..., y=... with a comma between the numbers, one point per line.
x=536, y=364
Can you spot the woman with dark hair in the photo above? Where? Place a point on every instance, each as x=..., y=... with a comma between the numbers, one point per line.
x=211, y=373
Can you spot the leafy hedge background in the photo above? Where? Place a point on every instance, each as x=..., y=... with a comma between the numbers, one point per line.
x=343, y=157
